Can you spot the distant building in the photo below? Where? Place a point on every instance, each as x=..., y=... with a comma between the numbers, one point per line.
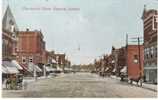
x=31, y=47
x=9, y=35
x=50, y=57
x=119, y=58
x=60, y=58
x=150, y=45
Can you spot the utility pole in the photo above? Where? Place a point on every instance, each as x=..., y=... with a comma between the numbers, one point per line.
x=127, y=52
x=140, y=61
x=139, y=53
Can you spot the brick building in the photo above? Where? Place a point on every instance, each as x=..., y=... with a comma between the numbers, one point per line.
x=60, y=58
x=119, y=58
x=9, y=35
x=150, y=44
x=31, y=47
x=134, y=68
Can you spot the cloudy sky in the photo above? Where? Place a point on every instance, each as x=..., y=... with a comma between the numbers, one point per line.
x=85, y=32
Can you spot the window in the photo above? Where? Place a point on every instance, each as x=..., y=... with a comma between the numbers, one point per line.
x=12, y=28
x=30, y=59
x=151, y=52
x=147, y=53
x=24, y=60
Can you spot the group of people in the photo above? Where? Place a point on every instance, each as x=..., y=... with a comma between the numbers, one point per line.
x=13, y=82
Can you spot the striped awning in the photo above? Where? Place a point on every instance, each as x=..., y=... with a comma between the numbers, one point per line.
x=10, y=67
x=32, y=66
x=37, y=68
x=124, y=69
x=53, y=61
x=4, y=70
x=24, y=67
x=17, y=64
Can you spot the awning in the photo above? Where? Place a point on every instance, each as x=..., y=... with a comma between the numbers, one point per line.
x=53, y=61
x=50, y=69
x=24, y=67
x=17, y=65
x=10, y=67
x=37, y=68
x=60, y=69
x=4, y=70
x=106, y=69
x=68, y=69
x=114, y=70
x=31, y=67
x=124, y=69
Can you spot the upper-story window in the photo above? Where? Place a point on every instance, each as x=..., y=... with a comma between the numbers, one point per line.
x=24, y=60
x=31, y=59
x=147, y=53
x=12, y=26
x=151, y=52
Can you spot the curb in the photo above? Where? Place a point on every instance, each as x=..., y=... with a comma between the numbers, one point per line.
x=154, y=90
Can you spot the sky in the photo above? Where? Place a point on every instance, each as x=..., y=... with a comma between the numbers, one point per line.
x=87, y=31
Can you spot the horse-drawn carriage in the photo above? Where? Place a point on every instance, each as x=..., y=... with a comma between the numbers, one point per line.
x=14, y=81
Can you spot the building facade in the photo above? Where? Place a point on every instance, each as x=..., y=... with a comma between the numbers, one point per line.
x=9, y=35
x=150, y=44
x=31, y=47
x=61, y=61
x=119, y=59
x=135, y=61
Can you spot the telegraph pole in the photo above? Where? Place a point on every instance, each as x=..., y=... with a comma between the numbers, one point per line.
x=139, y=57
x=139, y=53
x=127, y=52
x=139, y=61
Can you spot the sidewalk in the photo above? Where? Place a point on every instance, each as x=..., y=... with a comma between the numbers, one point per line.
x=151, y=87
